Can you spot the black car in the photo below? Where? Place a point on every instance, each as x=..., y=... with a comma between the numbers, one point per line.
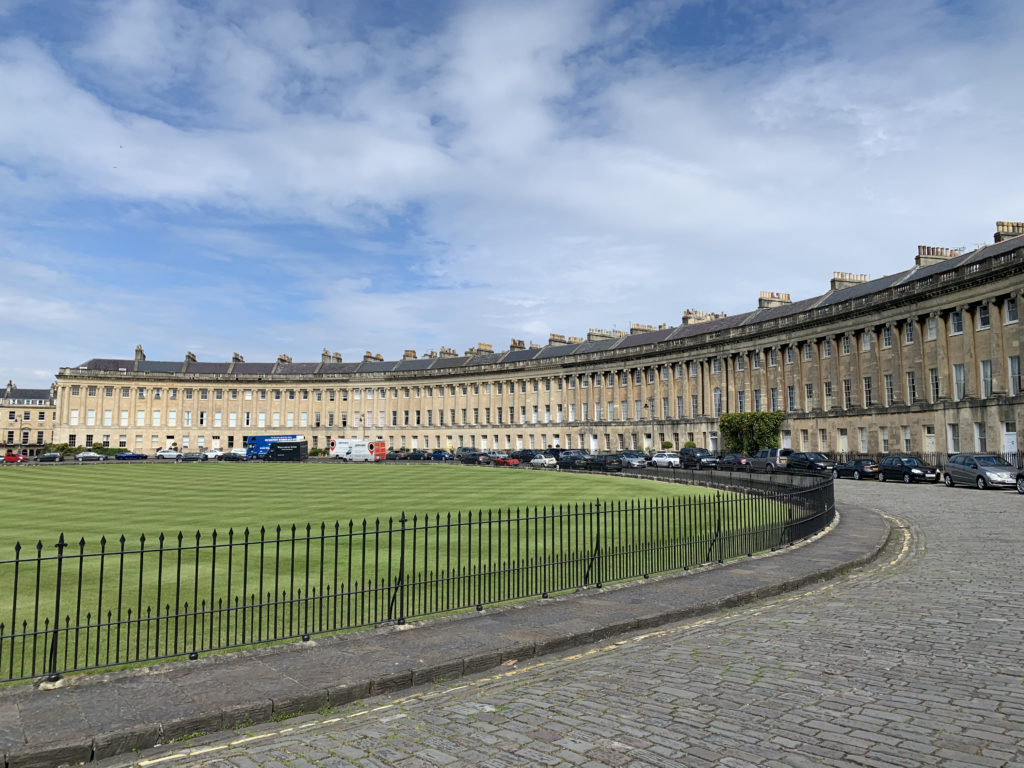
x=909, y=469
x=735, y=462
x=603, y=462
x=1020, y=481
x=857, y=469
x=476, y=457
x=525, y=455
x=230, y=456
x=810, y=463
x=574, y=459
x=418, y=456
x=697, y=458
x=50, y=457
x=192, y=457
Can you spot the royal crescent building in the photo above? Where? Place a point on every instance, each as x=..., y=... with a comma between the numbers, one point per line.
x=924, y=361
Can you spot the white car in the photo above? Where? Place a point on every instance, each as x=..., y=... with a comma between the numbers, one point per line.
x=168, y=453
x=213, y=453
x=664, y=459
x=543, y=460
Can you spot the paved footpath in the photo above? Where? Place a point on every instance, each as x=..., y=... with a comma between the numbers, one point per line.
x=914, y=660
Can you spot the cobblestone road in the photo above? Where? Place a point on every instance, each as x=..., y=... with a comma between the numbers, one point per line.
x=915, y=660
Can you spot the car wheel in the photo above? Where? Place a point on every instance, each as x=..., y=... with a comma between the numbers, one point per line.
x=948, y=480
x=982, y=485
x=177, y=461
x=907, y=479
x=856, y=474
x=769, y=468
x=835, y=474
x=1020, y=485
x=881, y=477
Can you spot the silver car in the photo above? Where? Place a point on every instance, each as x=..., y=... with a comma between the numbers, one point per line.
x=665, y=459
x=980, y=469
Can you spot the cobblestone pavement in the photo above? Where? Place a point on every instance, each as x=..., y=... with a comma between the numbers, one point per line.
x=915, y=660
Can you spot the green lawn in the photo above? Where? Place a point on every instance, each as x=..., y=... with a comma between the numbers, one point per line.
x=473, y=536
x=94, y=500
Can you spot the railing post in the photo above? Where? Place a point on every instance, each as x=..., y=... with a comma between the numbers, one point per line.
x=53, y=675
x=398, y=590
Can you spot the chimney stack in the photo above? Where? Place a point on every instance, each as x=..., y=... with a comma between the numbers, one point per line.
x=929, y=254
x=770, y=299
x=1008, y=229
x=842, y=280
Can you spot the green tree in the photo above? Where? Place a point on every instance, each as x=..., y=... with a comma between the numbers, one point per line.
x=747, y=432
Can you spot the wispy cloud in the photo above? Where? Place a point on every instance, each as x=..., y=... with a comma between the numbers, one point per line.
x=291, y=176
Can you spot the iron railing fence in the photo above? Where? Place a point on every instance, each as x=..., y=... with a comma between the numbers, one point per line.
x=68, y=607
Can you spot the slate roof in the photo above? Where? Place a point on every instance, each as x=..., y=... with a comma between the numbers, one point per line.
x=208, y=367
x=18, y=396
x=108, y=364
x=253, y=369
x=297, y=369
x=157, y=366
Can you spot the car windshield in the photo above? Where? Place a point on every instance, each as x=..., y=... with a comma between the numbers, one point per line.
x=992, y=461
x=910, y=461
x=817, y=456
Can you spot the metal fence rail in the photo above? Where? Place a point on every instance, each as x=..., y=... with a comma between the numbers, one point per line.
x=70, y=607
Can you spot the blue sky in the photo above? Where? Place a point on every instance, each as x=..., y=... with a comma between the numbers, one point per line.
x=291, y=175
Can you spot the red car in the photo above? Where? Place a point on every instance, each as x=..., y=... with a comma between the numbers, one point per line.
x=504, y=460
x=13, y=458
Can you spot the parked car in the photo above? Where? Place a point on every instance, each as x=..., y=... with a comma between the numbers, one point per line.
x=980, y=469
x=192, y=457
x=857, y=469
x=1020, y=481
x=909, y=469
x=417, y=456
x=665, y=459
x=232, y=456
x=735, y=462
x=213, y=453
x=697, y=458
x=634, y=459
x=14, y=458
x=770, y=459
x=574, y=459
x=475, y=457
x=504, y=460
x=810, y=462
x=50, y=457
x=543, y=460
x=130, y=456
x=168, y=453
x=525, y=455
x=441, y=456
x=603, y=462
x=90, y=456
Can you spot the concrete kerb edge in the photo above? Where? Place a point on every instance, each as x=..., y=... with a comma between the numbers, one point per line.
x=309, y=702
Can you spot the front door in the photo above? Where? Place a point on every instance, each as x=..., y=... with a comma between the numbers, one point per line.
x=929, y=440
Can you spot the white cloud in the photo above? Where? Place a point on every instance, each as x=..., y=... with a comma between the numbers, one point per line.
x=525, y=168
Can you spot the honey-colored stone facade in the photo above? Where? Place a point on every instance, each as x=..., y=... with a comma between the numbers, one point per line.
x=27, y=419
x=926, y=361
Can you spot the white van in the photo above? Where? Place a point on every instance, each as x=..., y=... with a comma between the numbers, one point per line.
x=353, y=450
